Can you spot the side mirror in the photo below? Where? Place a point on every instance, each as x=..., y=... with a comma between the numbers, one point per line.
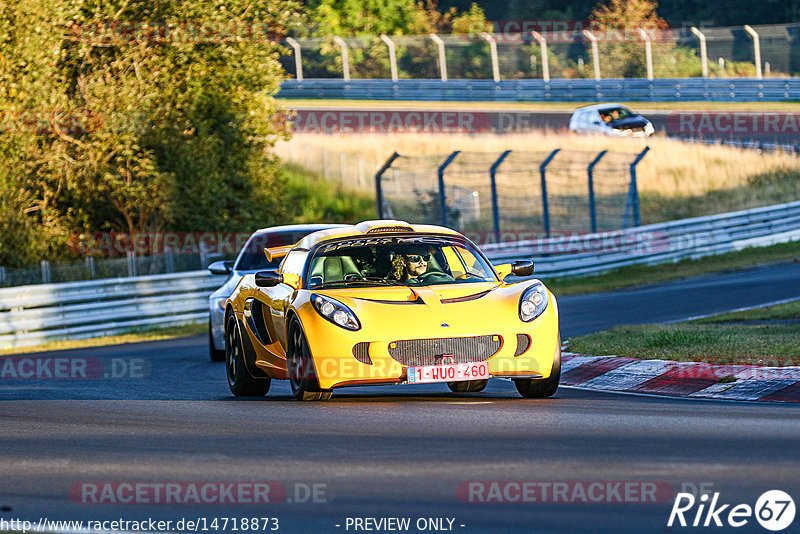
x=522, y=268
x=221, y=267
x=268, y=279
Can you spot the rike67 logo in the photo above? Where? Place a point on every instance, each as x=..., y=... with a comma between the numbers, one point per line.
x=774, y=510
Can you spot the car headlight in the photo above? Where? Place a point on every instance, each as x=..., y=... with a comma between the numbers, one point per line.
x=335, y=312
x=533, y=302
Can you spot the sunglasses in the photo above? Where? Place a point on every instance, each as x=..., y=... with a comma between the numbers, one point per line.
x=416, y=258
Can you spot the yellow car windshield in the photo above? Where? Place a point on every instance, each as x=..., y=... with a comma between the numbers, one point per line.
x=411, y=261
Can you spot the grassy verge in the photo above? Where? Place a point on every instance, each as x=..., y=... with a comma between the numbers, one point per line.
x=713, y=340
x=643, y=274
x=312, y=199
x=536, y=106
x=134, y=336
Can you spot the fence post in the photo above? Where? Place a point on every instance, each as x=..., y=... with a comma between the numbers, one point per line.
x=703, y=53
x=90, y=266
x=493, y=51
x=756, y=49
x=545, y=63
x=442, y=196
x=342, y=165
x=45, y=272
x=590, y=174
x=298, y=58
x=379, y=185
x=633, y=193
x=495, y=208
x=131, y=263
x=169, y=262
x=442, y=60
x=648, y=53
x=545, y=206
x=595, y=53
x=345, y=58
x=392, y=55
x=2, y=275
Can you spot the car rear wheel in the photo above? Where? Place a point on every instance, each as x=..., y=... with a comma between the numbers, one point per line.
x=214, y=353
x=301, y=370
x=468, y=386
x=538, y=388
x=239, y=379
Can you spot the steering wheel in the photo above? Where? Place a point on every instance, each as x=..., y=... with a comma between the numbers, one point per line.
x=432, y=277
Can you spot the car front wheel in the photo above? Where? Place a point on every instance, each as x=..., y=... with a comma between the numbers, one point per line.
x=239, y=379
x=302, y=373
x=537, y=388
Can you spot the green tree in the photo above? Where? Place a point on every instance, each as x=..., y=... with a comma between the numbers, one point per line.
x=143, y=121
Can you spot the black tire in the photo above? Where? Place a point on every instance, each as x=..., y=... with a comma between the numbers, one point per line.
x=468, y=386
x=239, y=379
x=215, y=354
x=302, y=374
x=539, y=388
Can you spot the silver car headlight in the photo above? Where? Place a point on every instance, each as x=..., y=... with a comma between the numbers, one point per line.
x=335, y=312
x=533, y=302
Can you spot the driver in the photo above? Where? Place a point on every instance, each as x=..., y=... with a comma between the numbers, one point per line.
x=416, y=262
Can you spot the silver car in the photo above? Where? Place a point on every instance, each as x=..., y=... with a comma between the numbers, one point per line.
x=250, y=260
x=610, y=119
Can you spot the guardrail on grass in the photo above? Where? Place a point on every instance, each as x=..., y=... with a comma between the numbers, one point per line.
x=32, y=315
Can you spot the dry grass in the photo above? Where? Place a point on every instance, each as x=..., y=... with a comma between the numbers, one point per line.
x=673, y=175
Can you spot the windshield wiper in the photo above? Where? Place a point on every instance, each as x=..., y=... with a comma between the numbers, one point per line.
x=366, y=280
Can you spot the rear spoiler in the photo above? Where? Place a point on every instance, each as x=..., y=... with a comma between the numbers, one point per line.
x=278, y=252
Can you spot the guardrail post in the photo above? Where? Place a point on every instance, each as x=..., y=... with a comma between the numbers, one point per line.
x=345, y=58
x=633, y=193
x=595, y=53
x=495, y=208
x=90, y=266
x=131, y=263
x=442, y=196
x=703, y=53
x=493, y=50
x=590, y=174
x=379, y=184
x=45, y=272
x=756, y=48
x=298, y=58
x=442, y=59
x=648, y=53
x=545, y=206
x=392, y=55
x=545, y=63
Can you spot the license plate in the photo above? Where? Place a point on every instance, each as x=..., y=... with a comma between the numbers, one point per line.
x=448, y=372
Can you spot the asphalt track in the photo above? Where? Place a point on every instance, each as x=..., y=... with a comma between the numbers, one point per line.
x=402, y=451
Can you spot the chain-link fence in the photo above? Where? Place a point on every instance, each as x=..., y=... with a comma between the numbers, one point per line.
x=91, y=268
x=351, y=171
x=568, y=191
x=563, y=51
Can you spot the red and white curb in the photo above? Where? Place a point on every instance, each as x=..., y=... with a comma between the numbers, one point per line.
x=684, y=379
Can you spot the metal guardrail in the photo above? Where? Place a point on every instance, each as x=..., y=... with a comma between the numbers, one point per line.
x=555, y=90
x=36, y=314
x=32, y=315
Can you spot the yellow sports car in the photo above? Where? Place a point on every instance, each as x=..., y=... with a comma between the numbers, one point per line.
x=387, y=302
